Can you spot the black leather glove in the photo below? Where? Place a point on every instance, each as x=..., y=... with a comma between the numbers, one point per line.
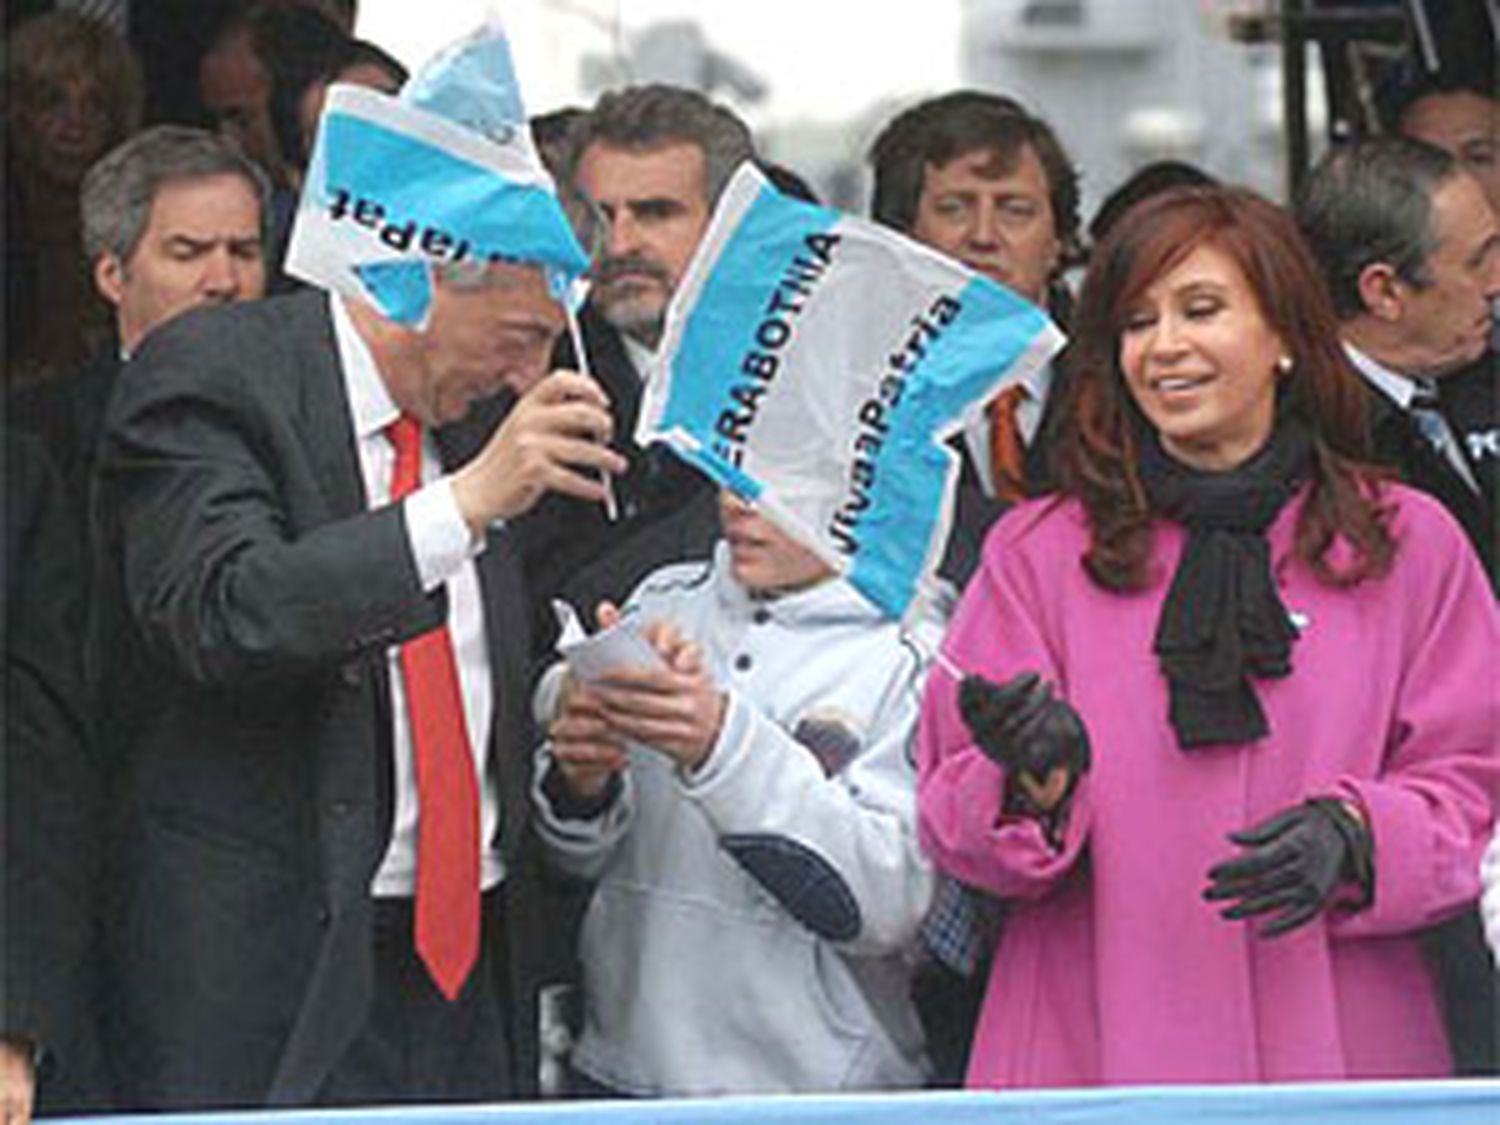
x=1294, y=862
x=1022, y=727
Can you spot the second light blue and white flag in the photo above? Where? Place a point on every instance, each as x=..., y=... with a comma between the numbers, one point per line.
x=445, y=174
x=815, y=363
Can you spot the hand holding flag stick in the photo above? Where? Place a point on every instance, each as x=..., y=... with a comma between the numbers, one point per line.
x=470, y=189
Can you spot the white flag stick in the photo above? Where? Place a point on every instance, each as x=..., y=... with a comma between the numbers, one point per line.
x=611, y=508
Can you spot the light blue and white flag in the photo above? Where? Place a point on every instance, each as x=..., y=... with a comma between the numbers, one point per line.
x=814, y=363
x=397, y=187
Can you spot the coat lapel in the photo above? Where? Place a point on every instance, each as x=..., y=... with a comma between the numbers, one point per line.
x=324, y=417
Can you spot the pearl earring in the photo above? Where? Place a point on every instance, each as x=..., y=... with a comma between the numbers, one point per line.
x=1284, y=366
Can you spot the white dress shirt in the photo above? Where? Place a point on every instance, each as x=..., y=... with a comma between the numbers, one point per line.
x=642, y=358
x=444, y=551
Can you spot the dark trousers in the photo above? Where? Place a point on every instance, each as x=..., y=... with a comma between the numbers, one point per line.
x=1470, y=990
x=417, y=1046
x=583, y=1088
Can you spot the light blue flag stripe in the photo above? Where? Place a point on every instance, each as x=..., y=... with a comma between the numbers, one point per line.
x=992, y=330
x=721, y=329
x=472, y=83
x=402, y=289
x=713, y=464
x=482, y=212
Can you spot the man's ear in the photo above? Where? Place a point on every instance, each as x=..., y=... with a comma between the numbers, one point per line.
x=1380, y=289
x=109, y=278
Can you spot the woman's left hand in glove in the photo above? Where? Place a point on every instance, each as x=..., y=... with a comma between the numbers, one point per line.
x=1293, y=863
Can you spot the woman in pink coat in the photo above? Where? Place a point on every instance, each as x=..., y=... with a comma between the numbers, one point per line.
x=1218, y=721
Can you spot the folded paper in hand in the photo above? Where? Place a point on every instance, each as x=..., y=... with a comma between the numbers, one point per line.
x=593, y=657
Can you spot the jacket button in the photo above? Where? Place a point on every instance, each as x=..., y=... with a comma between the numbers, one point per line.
x=761, y=615
x=350, y=674
x=341, y=808
x=742, y=662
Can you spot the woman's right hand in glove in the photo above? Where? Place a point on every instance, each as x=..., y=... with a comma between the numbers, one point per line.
x=1038, y=739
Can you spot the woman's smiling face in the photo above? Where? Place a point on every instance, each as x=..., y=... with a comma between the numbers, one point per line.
x=1201, y=361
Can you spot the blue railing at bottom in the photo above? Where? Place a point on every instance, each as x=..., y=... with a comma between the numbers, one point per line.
x=1343, y=1103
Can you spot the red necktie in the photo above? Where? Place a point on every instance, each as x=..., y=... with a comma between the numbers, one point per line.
x=1007, y=458
x=447, y=909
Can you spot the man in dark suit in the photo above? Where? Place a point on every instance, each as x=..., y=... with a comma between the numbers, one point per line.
x=321, y=866
x=645, y=167
x=50, y=808
x=1458, y=111
x=980, y=178
x=1411, y=252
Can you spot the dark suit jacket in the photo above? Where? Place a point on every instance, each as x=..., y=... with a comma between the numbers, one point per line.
x=1399, y=445
x=974, y=511
x=1471, y=402
x=51, y=808
x=67, y=414
x=1465, y=974
x=261, y=597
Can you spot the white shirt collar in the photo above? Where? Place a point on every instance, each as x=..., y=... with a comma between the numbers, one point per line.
x=642, y=358
x=1397, y=387
x=370, y=402
x=1038, y=383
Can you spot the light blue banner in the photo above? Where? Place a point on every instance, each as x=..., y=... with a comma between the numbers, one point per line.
x=1352, y=1103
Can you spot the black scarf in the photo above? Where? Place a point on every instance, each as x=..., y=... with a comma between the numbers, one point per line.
x=1222, y=621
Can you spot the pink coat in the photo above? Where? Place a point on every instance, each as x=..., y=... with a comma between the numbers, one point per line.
x=1110, y=967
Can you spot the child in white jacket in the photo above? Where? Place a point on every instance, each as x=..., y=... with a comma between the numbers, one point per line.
x=748, y=812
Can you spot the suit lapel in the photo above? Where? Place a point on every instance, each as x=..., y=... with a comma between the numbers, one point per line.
x=1399, y=444
x=324, y=415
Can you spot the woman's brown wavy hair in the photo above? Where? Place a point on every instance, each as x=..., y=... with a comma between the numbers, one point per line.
x=1097, y=456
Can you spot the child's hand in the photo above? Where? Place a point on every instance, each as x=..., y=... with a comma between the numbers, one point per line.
x=586, y=752
x=677, y=710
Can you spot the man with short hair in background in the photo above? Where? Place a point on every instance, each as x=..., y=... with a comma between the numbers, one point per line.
x=234, y=85
x=1460, y=114
x=173, y=218
x=980, y=178
x=1411, y=252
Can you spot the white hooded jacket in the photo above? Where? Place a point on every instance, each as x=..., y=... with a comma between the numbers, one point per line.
x=754, y=924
